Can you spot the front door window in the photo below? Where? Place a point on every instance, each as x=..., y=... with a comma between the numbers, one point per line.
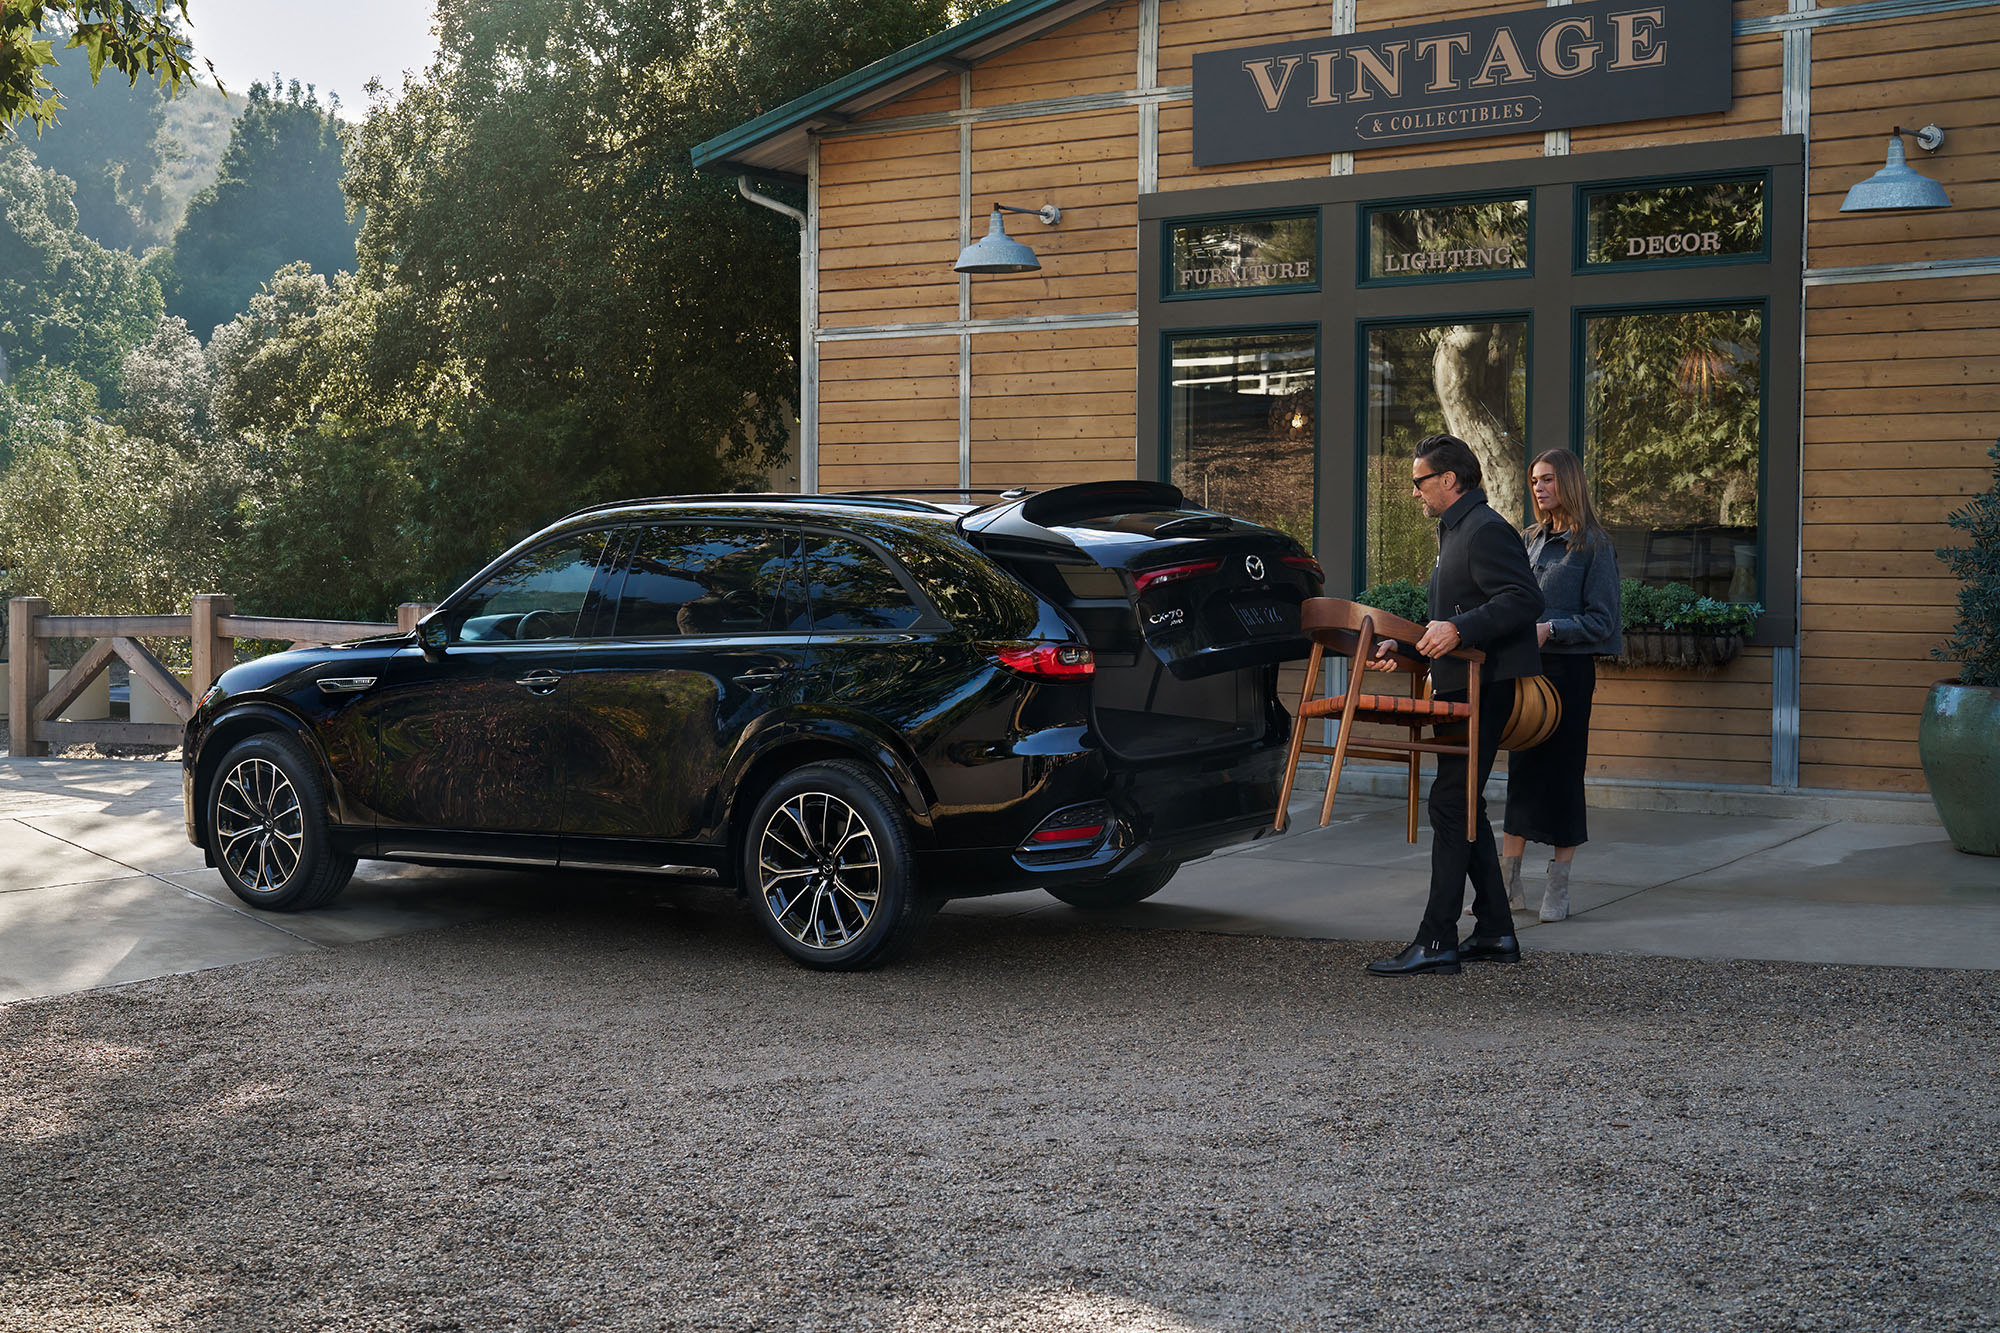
x=1242, y=419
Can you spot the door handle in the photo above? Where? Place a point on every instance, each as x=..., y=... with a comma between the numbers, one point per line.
x=764, y=677
x=539, y=682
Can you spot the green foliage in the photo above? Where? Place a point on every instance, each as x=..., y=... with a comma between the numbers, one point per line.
x=1975, y=640
x=64, y=299
x=276, y=200
x=109, y=142
x=1677, y=606
x=134, y=37
x=1399, y=597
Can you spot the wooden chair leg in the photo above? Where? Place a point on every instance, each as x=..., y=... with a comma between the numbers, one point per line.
x=1299, y=721
x=1354, y=669
x=1472, y=758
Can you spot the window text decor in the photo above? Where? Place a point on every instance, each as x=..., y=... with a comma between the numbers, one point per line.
x=1531, y=69
x=1232, y=254
x=1682, y=223
x=1459, y=239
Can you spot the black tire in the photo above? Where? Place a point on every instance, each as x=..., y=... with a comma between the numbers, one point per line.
x=828, y=870
x=268, y=828
x=1122, y=890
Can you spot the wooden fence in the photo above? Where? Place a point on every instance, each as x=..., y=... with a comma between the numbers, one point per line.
x=35, y=703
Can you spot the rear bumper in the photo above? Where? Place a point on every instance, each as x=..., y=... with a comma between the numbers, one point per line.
x=1165, y=814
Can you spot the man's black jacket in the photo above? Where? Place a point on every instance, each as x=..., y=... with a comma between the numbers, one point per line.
x=1483, y=585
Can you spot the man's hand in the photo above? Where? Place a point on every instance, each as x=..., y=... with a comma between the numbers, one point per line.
x=1542, y=629
x=1440, y=637
x=1384, y=656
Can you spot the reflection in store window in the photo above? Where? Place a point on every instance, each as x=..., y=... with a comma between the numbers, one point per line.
x=1675, y=224
x=1236, y=253
x=1241, y=424
x=1470, y=239
x=1470, y=380
x=1672, y=429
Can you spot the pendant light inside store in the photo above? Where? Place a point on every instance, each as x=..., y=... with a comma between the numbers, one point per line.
x=997, y=252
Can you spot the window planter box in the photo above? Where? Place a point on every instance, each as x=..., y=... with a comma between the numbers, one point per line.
x=1681, y=650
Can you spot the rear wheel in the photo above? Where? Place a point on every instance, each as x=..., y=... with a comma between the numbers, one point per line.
x=828, y=866
x=1121, y=890
x=268, y=827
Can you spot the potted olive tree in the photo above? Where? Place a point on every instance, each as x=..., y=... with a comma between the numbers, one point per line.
x=1959, y=737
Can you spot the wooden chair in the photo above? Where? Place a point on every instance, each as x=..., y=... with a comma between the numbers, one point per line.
x=1352, y=630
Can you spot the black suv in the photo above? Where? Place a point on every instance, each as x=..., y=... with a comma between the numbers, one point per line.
x=847, y=707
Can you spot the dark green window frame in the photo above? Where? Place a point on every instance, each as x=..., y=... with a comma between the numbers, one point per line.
x=1580, y=259
x=1365, y=232
x=1167, y=226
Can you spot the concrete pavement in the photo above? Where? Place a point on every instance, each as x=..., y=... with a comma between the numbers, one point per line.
x=99, y=886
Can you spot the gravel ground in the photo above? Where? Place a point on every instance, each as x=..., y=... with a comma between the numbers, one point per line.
x=626, y=1111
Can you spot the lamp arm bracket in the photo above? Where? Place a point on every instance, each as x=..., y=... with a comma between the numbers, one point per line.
x=1048, y=213
x=1930, y=138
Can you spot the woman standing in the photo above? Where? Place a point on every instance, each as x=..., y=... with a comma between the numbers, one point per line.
x=1573, y=561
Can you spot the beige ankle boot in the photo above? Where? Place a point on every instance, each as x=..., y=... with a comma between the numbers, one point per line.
x=1555, y=898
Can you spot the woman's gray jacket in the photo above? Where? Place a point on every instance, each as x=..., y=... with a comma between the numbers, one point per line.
x=1580, y=584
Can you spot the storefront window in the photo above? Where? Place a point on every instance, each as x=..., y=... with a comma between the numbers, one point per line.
x=1238, y=254
x=1242, y=416
x=1468, y=379
x=1673, y=408
x=1466, y=239
x=1675, y=224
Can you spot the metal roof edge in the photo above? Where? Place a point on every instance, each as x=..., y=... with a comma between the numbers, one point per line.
x=715, y=154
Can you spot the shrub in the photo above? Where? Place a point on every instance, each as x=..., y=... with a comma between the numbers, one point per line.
x=1399, y=597
x=1677, y=606
x=1975, y=640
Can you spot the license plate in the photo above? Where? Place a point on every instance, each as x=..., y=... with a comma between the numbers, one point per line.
x=1261, y=617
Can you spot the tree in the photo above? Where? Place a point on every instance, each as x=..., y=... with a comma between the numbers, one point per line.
x=110, y=143
x=131, y=36
x=64, y=299
x=276, y=200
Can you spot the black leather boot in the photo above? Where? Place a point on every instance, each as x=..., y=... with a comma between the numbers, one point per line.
x=1489, y=949
x=1419, y=957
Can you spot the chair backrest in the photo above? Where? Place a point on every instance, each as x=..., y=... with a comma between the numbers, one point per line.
x=1335, y=624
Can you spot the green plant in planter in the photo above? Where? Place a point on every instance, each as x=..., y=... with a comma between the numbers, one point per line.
x=1958, y=739
x=1678, y=627
x=1399, y=597
x=1705, y=615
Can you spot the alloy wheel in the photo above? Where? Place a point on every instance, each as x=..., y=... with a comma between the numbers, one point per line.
x=819, y=870
x=259, y=825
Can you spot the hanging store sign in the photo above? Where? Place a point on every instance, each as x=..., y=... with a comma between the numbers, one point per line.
x=1534, y=69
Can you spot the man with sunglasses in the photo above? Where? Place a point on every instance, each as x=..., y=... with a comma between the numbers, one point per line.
x=1482, y=595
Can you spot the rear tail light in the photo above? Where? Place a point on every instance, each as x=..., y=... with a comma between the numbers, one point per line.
x=1074, y=829
x=1172, y=572
x=1047, y=661
x=1308, y=564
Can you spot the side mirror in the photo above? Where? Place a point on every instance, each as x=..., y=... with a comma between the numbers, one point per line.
x=432, y=637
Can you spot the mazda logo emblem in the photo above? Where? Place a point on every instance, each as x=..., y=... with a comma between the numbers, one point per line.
x=1253, y=567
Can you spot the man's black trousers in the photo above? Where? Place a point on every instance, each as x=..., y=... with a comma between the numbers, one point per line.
x=1453, y=859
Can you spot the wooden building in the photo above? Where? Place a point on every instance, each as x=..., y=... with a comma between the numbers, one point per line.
x=1293, y=236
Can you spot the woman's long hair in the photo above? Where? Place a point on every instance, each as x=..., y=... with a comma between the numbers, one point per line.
x=1573, y=511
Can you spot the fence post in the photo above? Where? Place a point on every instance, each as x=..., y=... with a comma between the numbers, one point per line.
x=409, y=613
x=214, y=651
x=28, y=678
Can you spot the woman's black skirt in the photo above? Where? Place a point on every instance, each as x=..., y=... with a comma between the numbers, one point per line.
x=1545, y=784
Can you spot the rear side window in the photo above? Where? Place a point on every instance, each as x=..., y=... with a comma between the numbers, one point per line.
x=536, y=597
x=702, y=579
x=852, y=589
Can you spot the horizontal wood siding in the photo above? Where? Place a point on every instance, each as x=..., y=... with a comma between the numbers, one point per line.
x=1899, y=416
x=888, y=413
x=1684, y=726
x=888, y=228
x=1867, y=79
x=1088, y=166
x=1053, y=407
x=1097, y=53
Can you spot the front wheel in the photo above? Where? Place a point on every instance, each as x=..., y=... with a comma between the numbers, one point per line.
x=1120, y=890
x=828, y=867
x=268, y=828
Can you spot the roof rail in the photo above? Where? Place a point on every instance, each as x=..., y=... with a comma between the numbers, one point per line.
x=876, y=499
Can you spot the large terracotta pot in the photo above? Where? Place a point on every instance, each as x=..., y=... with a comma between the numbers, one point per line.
x=1959, y=743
